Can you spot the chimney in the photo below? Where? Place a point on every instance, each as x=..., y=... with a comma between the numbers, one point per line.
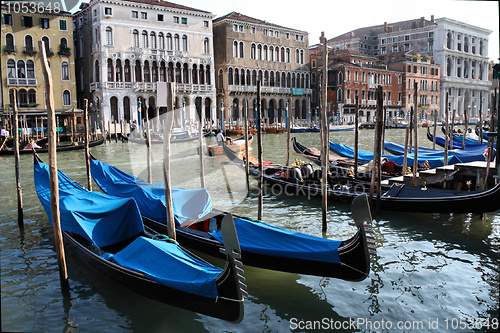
x=432, y=18
x=422, y=21
x=385, y=26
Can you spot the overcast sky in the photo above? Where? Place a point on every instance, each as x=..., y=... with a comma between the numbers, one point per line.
x=338, y=17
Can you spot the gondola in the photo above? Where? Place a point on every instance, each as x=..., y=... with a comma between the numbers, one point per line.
x=471, y=152
x=156, y=141
x=403, y=198
x=425, y=161
x=79, y=145
x=237, y=144
x=314, y=155
x=262, y=245
x=108, y=233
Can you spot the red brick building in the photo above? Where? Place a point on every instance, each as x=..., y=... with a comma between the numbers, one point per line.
x=426, y=73
x=353, y=74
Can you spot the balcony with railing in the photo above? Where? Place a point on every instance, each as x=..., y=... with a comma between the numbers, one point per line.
x=10, y=49
x=28, y=82
x=30, y=51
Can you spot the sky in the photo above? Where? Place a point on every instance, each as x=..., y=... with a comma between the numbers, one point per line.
x=338, y=17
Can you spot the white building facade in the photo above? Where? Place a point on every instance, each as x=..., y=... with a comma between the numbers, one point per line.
x=461, y=50
x=123, y=48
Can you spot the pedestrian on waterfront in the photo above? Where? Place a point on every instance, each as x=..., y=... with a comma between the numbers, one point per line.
x=4, y=133
x=220, y=138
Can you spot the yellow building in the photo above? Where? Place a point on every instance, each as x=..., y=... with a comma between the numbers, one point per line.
x=23, y=26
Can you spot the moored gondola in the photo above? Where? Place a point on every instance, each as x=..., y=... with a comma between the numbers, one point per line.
x=290, y=182
x=262, y=245
x=108, y=233
x=79, y=145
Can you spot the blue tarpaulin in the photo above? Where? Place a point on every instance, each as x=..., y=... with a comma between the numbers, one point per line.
x=105, y=220
x=363, y=155
x=470, y=154
x=254, y=236
x=189, y=205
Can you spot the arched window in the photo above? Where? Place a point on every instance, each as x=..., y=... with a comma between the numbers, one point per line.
x=23, y=98
x=449, y=40
x=135, y=38
x=208, y=81
x=144, y=39
x=206, y=46
x=118, y=70
x=297, y=56
x=230, y=76
x=265, y=53
x=481, y=47
x=126, y=108
x=63, y=42
x=30, y=68
x=235, y=49
x=28, y=43
x=147, y=77
x=11, y=68
x=46, y=41
x=184, y=43
x=169, y=42
x=66, y=97
x=32, y=97
x=21, y=69
x=241, y=51
x=202, y=75
x=287, y=56
x=126, y=71
x=259, y=52
x=9, y=43
x=236, y=77
x=253, y=52
x=176, y=43
x=161, y=41
x=271, y=53
x=109, y=36
x=277, y=54
x=110, y=71
x=282, y=54
x=97, y=76
x=302, y=56
x=152, y=36
x=448, y=67
x=64, y=71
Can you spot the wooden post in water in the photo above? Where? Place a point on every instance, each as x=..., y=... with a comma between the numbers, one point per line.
x=247, y=150
x=287, y=116
x=435, y=127
x=148, y=147
x=405, y=159
x=447, y=131
x=86, y=142
x=452, y=134
x=324, y=135
x=377, y=146
x=54, y=180
x=356, y=136
x=415, y=134
x=20, y=214
x=116, y=132
x=200, y=136
x=466, y=118
x=259, y=150
x=166, y=160
x=480, y=118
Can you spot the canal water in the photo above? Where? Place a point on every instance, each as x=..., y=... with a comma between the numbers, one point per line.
x=431, y=273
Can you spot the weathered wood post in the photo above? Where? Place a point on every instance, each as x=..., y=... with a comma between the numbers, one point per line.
x=480, y=140
x=86, y=142
x=405, y=158
x=415, y=133
x=54, y=180
x=20, y=214
x=259, y=149
x=247, y=150
x=169, y=120
x=287, y=119
x=466, y=118
x=356, y=136
x=148, y=148
x=435, y=127
x=324, y=135
x=200, y=148
x=447, y=131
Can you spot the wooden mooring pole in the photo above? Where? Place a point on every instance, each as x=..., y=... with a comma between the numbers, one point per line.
x=247, y=149
x=86, y=142
x=15, y=132
x=54, y=180
x=166, y=160
x=415, y=133
x=259, y=150
x=324, y=136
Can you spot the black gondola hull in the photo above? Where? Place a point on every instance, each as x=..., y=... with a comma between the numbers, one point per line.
x=222, y=308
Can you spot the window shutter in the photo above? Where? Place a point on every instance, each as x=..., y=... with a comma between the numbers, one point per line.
x=3, y=18
x=22, y=21
x=41, y=22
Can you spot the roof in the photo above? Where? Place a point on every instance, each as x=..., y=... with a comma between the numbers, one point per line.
x=380, y=29
x=234, y=16
x=167, y=4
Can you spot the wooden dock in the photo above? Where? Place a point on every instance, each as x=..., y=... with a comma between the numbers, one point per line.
x=460, y=176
